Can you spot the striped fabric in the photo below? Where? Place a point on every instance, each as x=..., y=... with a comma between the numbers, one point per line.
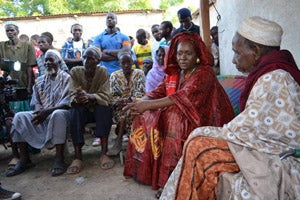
x=233, y=85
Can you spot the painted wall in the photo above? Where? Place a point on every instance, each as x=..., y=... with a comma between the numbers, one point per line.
x=93, y=25
x=284, y=12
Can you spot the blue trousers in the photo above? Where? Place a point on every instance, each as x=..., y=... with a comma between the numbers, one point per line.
x=80, y=116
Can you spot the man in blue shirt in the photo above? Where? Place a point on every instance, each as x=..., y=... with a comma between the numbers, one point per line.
x=111, y=41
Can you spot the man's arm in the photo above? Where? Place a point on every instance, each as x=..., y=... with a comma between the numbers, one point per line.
x=29, y=79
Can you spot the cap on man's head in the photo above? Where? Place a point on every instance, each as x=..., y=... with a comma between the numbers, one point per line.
x=8, y=23
x=261, y=31
x=148, y=60
x=96, y=50
x=184, y=13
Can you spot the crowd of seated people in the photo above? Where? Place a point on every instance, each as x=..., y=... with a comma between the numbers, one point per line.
x=170, y=107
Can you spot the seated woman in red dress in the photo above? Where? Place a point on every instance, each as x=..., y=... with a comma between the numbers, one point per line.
x=190, y=96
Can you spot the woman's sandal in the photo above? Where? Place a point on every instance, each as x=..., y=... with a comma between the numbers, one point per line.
x=75, y=167
x=58, y=168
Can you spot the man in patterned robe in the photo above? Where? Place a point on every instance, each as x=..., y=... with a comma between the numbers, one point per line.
x=47, y=125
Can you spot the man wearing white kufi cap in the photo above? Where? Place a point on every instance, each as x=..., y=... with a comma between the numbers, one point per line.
x=253, y=142
x=47, y=125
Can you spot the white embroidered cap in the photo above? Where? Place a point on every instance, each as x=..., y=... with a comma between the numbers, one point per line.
x=261, y=31
x=55, y=52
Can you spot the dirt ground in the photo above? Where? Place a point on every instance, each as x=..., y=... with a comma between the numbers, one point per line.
x=93, y=183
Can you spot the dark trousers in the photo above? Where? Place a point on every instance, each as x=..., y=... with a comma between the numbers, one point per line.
x=80, y=116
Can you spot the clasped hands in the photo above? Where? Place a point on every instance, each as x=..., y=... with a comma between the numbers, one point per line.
x=81, y=96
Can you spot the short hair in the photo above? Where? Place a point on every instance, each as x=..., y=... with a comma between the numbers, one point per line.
x=35, y=37
x=48, y=36
x=141, y=32
x=24, y=37
x=214, y=28
x=168, y=24
x=154, y=25
x=124, y=53
x=76, y=24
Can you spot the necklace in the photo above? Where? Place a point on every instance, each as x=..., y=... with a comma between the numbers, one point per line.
x=188, y=74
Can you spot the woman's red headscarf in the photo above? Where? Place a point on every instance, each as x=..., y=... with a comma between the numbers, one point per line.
x=171, y=66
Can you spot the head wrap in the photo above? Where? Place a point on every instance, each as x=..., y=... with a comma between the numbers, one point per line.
x=149, y=60
x=184, y=13
x=261, y=31
x=53, y=51
x=96, y=50
x=8, y=23
x=171, y=65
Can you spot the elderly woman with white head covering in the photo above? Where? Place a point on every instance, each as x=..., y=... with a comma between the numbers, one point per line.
x=47, y=125
x=249, y=146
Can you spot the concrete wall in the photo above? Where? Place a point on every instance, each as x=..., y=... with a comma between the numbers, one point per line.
x=284, y=12
x=93, y=25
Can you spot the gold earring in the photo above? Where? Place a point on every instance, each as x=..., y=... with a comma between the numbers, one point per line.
x=198, y=61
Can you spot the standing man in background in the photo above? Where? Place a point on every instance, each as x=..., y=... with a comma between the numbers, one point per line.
x=111, y=41
x=186, y=24
x=74, y=46
x=157, y=36
x=142, y=49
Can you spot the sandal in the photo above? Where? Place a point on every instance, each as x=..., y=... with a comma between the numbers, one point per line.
x=12, y=163
x=75, y=167
x=58, y=168
x=106, y=162
x=19, y=168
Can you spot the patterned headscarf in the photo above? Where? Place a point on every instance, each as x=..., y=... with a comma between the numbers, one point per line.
x=171, y=66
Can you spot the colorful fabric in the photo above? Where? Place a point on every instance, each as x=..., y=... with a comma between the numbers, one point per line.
x=233, y=86
x=158, y=136
x=68, y=50
x=47, y=96
x=111, y=41
x=142, y=52
x=268, y=126
x=155, y=76
x=123, y=92
x=209, y=158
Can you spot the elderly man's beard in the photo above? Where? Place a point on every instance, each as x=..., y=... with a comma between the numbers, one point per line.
x=51, y=71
